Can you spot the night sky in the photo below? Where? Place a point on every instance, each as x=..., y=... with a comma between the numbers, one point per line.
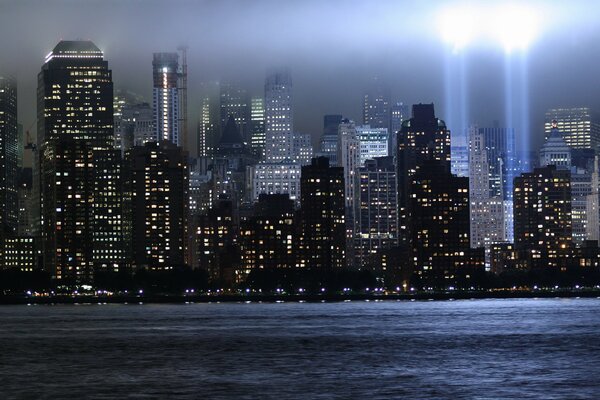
x=333, y=48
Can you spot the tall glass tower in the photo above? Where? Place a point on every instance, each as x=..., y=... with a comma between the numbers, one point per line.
x=78, y=182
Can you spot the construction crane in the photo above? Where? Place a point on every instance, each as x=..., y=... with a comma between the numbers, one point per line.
x=28, y=141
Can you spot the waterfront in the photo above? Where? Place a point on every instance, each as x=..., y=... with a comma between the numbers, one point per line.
x=471, y=349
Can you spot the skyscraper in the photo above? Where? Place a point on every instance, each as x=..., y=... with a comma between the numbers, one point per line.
x=555, y=150
x=235, y=103
x=486, y=211
x=399, y=113
x=376, y=210
x=580, y=130
x=373, y=142
x=165, y=95
x=542, y=214
x=9, y=156
x=348, y=158
x=279, y=172
x=209, y=124
x=441, y=253
x=422, y=137
x=279, y=121
x=79, y=200
x=376, y=105
x=257, y=125
x=157, y=178
x=322, y=215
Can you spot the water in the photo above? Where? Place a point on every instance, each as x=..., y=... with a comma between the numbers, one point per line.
x=471, y=349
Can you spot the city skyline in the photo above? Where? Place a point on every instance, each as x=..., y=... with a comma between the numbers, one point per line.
x=339, y=69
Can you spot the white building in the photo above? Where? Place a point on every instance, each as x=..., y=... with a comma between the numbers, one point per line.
x=487, y=212
x=275, y=178
x=303, y=149
x=165, y=96
x=374, y=142
x=279, y=138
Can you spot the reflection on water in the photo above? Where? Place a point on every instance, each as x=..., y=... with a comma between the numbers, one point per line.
x=472, y=349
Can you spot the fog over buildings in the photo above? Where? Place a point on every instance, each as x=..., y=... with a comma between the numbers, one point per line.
x=333, y=48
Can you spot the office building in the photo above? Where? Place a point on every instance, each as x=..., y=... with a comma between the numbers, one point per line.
x=322, y=216
x=373, y=142
x=376, y=210
x=268, y=236
x=235, y=103
x=158, y=188
x=580, y=130
x=166, y=97
x=376, y=105
x=9, y=157
x=257, y=125
x=423, y=137
x=542, y=214
x=279, y=123
x=555, y=150
x=77, y=192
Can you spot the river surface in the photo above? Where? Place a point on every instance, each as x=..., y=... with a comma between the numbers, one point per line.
x=467, y=349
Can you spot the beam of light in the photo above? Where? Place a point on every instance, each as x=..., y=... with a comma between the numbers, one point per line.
x=512, y=26
x=457, y=26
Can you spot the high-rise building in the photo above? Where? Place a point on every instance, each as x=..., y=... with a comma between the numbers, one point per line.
x=279, y=123
x=580, y=130
x=592, y=223
x=555, y=150
x=9, y=157
x=581, y=189
x=373, y=142
x=542, y=214
x=279, y=172
x=215, y=246
x=348, y=158
x=376, y=105
x=165, y=94
x=235, y=103
x=422, y=137
x=331, y=122
x=459, y=154
x=376, y=210
x=303, y=149
x=440, y=227
x=158, y=207
x=77, y=192
x=257, y=125
x=209, y=125
x=322, y=216
x=268, y=236
x=486, y=211
x=277, y=178
x=328, y=147
x=134, y=126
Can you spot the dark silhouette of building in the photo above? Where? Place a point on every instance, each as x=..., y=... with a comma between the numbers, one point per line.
x=542, y=215
x=376, y=105
x=440, y=227
x=216, y=244
x=268, y=237
x=157, y=205
x=80, y=202
x=235, y=103
x=421, y=138
x=9, y=156
x=331, y=123
x=322, y=215
x=377, y=210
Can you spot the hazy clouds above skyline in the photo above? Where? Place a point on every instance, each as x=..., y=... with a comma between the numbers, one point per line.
x=333, y=48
